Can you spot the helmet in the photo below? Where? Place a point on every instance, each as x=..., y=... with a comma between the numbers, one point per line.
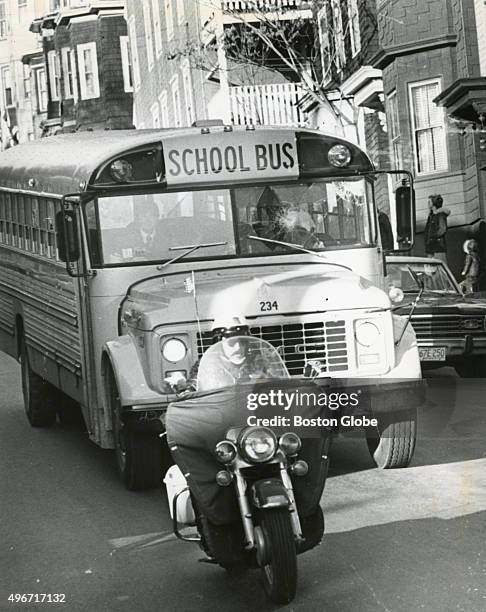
x=227, y=326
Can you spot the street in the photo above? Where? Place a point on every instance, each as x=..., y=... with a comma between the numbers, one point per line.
x=395, y=540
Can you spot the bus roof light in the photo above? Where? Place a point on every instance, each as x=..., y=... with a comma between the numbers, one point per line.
x=339, y=156
x=250, y=127
x=205, y=130
x=121, y=170
x=228, y=128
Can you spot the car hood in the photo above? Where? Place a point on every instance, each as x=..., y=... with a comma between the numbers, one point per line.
x=252, y=291
x=444, y=304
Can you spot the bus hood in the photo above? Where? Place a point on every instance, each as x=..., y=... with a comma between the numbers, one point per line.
x=252, y=291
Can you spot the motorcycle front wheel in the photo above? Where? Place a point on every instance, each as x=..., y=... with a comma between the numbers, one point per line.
x=280, y=574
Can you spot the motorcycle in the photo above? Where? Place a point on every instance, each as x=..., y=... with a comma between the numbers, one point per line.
x=254, y=488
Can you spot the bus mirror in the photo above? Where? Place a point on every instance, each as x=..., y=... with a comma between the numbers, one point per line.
x=405, y=216
x=67, y=236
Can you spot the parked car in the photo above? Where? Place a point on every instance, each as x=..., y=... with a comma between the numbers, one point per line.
x=450, y=327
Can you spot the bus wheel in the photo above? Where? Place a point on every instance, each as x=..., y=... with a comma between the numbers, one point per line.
x=39, y=395
x=393, y=443
x=138, y=454
x=69, y=412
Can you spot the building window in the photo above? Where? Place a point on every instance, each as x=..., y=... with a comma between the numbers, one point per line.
x=69, y=73
x=53, y=64
x=127, y=68
x=157, y=30
x=429, y=138
x=7, y=86
x=41, y=89
x=169, y=19
x=394, y=123
x=338, y=34
x=164, y=110
x=132, y=33
x=180, y=12
x=88, y=71
x=147, y=20
x=26, y=79
x=176, y=100
x=154, y=111
x=188, y=91
x=22, y=5
x=353, y=24
x=3, y=19
x=324, y=44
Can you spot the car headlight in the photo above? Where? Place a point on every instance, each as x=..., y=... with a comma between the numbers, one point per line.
x=367, y=333
x=257, y=444
x=174, y=350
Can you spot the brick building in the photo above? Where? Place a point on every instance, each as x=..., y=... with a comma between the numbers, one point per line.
x=435, y=92
x=87, y=64
x=19, y=118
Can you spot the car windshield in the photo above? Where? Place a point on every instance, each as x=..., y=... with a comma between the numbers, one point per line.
x=434, y=276
x=319, y=216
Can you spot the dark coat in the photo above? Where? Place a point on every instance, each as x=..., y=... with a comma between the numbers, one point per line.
x=436, y=230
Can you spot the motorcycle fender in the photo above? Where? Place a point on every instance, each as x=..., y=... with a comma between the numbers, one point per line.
x=269, y=493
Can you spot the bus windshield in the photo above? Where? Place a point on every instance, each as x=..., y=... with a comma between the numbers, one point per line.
x=318, y=216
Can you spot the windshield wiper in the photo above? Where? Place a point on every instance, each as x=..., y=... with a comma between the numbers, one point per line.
x=297, y=247
x=191, y=248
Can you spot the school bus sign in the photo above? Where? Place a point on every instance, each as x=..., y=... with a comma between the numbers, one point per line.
x=221, y=159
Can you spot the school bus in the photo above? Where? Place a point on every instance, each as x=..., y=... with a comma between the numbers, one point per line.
x=102, y=305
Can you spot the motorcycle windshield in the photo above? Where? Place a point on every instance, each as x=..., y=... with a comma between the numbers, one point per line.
x=239, y=359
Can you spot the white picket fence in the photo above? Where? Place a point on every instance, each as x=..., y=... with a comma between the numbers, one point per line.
x=250, y=5
x=274, y=104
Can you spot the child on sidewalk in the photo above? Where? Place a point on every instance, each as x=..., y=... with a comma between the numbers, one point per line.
x=471, y=266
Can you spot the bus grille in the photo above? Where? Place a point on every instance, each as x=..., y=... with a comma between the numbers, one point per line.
x=448, y=326
x=301, y=342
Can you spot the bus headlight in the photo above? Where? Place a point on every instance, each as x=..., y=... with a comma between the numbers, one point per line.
x=339, y=156
x=174, y=350
x=257, y=444
x=366, y=333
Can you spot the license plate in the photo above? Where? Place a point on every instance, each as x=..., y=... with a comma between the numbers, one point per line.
x=432, y=353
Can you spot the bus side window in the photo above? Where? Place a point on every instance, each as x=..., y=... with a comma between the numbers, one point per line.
x=35, y=226
x=2, y=217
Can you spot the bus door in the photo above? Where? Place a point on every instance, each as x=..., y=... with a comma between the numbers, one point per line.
x=72, y=243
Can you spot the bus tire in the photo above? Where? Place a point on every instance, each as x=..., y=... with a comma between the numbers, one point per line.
x=138, y=454
x=39, y=395
x=392, y=445
x=69, y=412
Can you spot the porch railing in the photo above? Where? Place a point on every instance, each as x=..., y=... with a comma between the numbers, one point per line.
x=274, y=104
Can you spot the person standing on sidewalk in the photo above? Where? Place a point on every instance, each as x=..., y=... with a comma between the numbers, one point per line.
x=436, y=229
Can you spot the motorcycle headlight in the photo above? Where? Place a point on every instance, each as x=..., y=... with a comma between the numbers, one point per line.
x=225, y=451
x=290, y=443
x=174, y=350
x=257, y=444
x=367, y=333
